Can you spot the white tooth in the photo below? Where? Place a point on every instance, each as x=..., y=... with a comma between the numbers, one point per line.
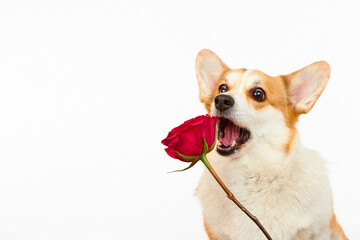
x=233, y=144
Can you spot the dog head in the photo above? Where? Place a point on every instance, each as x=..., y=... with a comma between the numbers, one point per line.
x=255, y=108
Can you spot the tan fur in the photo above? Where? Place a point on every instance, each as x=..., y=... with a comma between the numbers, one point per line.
x=208, y=231
x=233, y=85
x=291, y=137
x=334, y=225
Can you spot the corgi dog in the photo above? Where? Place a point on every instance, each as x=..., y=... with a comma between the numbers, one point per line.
x=259, y=155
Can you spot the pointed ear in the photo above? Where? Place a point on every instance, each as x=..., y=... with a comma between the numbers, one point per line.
x=209, y=69
x=306, y=85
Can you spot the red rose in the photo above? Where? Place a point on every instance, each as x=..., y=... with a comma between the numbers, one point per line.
x=192, y=138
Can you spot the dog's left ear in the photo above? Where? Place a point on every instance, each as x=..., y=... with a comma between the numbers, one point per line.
x=306, y=85
x=209, y=69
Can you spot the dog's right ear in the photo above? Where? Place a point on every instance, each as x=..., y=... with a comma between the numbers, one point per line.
x=306, y=85
x=209, y=69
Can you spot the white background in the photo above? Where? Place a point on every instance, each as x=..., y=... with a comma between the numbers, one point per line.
x=89, y=88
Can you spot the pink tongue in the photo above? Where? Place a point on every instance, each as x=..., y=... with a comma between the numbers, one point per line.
x=231, y=133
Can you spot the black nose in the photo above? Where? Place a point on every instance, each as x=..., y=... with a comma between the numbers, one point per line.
x=223, y=102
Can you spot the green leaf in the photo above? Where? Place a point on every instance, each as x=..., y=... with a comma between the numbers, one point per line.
x=191, y=165
x=206, y=147
x=212, y=147
x=187, y=158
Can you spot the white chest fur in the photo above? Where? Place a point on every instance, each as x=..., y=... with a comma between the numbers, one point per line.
x=290, y=196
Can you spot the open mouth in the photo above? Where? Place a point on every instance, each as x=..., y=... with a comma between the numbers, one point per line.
x=230, y=137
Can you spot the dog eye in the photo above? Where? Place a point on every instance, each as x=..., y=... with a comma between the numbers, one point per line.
x=223, y=88
x=258, y=94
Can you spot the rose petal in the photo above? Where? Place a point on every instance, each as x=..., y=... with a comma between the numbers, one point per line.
x=188, y=138
x=210, y=130
x=176, y=131
x=188, y=143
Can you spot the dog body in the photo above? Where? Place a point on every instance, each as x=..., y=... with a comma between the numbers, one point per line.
x=260, y=157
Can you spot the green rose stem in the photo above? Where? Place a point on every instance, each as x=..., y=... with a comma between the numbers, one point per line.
x=232, y=197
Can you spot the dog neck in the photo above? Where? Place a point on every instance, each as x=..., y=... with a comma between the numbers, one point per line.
x=266, y=162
